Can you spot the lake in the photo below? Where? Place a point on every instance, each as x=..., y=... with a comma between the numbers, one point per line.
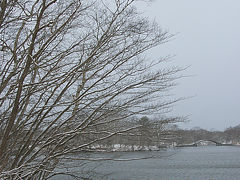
x=204, y=162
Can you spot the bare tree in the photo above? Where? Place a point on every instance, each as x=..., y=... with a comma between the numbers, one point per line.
x=73, y=70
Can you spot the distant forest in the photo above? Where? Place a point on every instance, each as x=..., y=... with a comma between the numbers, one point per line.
x=230, y=135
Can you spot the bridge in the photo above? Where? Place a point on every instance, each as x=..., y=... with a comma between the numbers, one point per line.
x=215, y=142
x=195, y=144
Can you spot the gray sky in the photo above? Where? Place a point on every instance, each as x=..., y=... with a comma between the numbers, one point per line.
x=209, y=41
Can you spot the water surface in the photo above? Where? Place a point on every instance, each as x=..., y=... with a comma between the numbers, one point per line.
x=206, y=162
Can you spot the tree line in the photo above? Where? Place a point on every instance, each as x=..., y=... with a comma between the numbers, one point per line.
x=229, y=135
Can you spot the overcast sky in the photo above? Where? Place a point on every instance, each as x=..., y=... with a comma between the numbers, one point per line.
x=208, y=39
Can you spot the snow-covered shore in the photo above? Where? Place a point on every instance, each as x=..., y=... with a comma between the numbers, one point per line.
x=125, y=148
